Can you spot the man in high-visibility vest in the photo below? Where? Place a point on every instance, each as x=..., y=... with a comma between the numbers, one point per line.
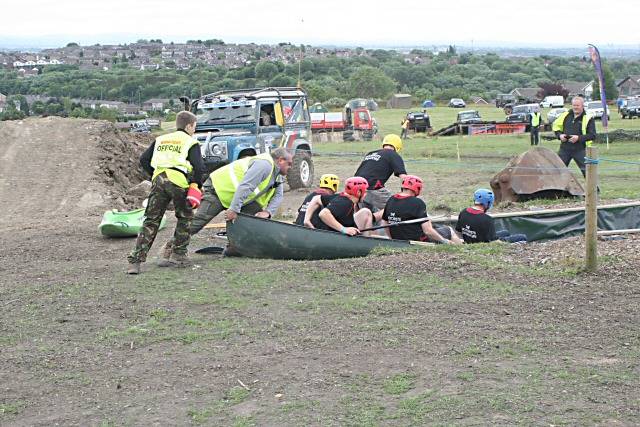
x=252, y=185
x=576, y=130
x=535, y=127
x=175, y=164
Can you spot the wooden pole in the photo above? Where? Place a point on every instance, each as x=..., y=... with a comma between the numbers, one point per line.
x=591, y=211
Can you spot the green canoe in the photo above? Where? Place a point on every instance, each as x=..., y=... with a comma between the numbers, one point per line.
x=124, y=224
x=263, y=238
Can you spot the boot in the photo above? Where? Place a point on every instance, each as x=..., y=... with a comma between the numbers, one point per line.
x=179, y=260
x=134, y=268
x=165, y=255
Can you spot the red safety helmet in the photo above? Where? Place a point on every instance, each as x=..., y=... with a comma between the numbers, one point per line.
x=356, y=186
x=413, y=183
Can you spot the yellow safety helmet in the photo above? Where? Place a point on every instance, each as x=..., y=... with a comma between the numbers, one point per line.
x=330, y=181
x=393, y=140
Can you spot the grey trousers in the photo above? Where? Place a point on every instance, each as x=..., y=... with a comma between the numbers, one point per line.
x=211, y=206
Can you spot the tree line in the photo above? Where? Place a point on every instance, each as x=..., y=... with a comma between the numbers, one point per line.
x=330, y=79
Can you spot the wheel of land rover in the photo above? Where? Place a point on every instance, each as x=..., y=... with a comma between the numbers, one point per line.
x=301, y=172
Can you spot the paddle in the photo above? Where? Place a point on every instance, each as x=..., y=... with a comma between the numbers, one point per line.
x=409, y=221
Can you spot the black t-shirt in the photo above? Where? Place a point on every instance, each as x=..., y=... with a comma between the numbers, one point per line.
x=302, y=210
x=342, y=209
x=377, y=166
x=403, y=208
x=476, y=226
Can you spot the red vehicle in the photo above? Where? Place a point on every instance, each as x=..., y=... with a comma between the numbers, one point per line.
x=348, y=122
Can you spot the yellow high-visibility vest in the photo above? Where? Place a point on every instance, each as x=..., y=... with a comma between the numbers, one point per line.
x=558, y=124
x=535, y=119
x=170, y=153
x=226, y=180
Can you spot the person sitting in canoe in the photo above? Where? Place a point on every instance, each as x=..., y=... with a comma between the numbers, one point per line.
x=406, y=206
x=252, y=185
x=476, y=226
x=377, y=167
x=329, y=184
x=342, y=214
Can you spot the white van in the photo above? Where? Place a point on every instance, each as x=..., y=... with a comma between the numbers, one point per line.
x=553, y=101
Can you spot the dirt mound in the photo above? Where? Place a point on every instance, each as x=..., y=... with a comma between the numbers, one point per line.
x=55, y=167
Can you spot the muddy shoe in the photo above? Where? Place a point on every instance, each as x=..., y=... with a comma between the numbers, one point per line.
x=179, y=260
x=165, y=255
x=134, y=268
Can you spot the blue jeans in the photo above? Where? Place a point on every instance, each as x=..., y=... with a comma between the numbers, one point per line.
x=510, y=238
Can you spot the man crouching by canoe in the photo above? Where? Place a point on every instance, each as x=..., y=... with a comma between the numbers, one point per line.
x=329, y=184
x=406, y=206
x=252, y=185
x=342, y=213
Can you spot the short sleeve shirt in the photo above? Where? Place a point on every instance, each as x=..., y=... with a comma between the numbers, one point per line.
x=378, y=166
x=476, y=226
x=403, y=208
x=342, y=209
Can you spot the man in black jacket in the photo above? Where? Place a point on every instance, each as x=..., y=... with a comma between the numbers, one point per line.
x=576, y=130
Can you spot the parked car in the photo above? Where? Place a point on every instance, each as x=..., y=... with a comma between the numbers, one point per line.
x=553, y=114
x=469, y=116
x=554, y=101
x=240, y=123
x=418, y=121
x=457, y=103
x=595, y=109
x=522, y=113
x=630, y=109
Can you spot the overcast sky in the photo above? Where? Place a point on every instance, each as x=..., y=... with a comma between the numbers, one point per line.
x=324, y=22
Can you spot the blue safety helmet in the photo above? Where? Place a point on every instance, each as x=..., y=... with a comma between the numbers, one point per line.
x=484, y=197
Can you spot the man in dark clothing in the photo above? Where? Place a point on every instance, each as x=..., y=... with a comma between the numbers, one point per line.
x=377, y=167
x=477, y=227
x=329, y=184
x=576, y=130
x=175, y=164
x=406, y=206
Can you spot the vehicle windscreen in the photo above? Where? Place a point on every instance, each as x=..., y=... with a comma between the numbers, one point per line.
x=225, y=112
x=470, y=115
x=634, y=103
x=520, y=110
x=596, y=104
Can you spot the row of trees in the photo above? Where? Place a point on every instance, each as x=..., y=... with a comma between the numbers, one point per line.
x=376, y=75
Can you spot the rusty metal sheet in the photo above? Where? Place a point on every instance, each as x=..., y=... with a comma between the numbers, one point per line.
x=538, y=172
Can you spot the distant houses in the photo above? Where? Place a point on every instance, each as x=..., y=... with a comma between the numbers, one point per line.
x=526, y=94
x=629, y=86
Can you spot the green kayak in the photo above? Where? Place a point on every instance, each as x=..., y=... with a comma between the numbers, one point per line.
x=124, y=224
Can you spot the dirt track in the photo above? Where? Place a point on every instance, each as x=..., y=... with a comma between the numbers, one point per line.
x=505, y=335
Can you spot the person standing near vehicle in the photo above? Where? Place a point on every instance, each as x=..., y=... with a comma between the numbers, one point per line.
x=576, y=130
x=176, y=167
x=377, y=167
x=406, y=206
x=534, y=122
x=329, y=184
x=405, y=129
x=252, y=185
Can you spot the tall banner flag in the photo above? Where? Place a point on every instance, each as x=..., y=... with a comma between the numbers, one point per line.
x=597, y=63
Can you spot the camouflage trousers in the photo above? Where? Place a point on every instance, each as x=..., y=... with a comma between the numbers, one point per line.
x=162, y=192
